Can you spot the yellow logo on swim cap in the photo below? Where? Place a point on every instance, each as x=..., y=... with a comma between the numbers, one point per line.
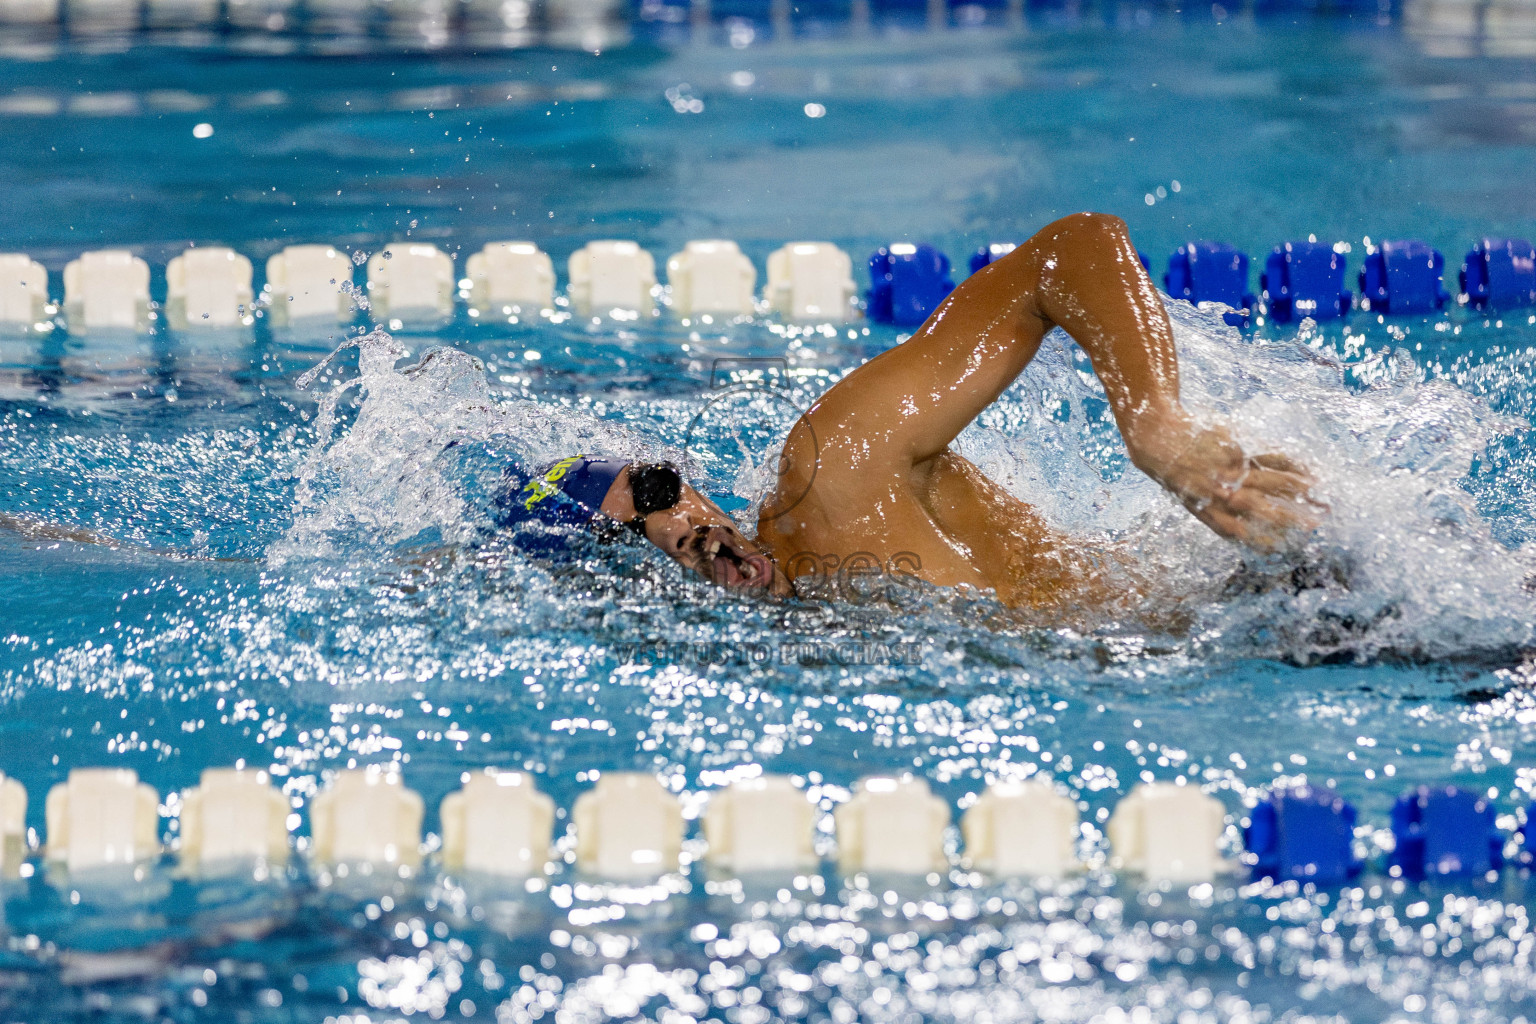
x=544, y=486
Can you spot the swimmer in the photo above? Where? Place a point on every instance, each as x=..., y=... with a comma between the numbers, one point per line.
x=868, y=479
x=867, y=474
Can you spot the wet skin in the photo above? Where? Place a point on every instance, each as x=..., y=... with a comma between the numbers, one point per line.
x=868, y=477
x=872, y=460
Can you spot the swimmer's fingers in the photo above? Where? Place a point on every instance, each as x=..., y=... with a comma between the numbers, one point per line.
x=1263, y=501
x=1281, y=463
x=1291, y=487
x=1257, y=489
x=1281, y=484
x=1282, y=512
x=1258, y=534
x=1227, y=525
x=1264, y=522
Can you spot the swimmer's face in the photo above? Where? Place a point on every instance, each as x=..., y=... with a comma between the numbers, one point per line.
x=700, y=537
x=697, y=535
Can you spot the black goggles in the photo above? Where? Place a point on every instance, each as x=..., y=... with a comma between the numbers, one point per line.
x=653, y=487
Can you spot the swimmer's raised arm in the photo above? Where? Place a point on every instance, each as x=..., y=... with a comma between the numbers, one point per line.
x=1080, y=273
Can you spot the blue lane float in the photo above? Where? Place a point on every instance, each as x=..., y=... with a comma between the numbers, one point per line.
x=989, y=254
x=907, y=282
x=1211, y=272
x=1500, y=273
x=1403, y=277
x=1303, y=834
x=1444, y=830
x=1302, y=279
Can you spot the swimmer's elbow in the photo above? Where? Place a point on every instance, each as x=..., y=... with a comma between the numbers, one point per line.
x=1088, y=225
x=1080, y=240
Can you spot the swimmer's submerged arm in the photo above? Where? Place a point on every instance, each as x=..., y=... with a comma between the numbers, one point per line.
x=31, y=527
x=1080, y=273
x=35, y=528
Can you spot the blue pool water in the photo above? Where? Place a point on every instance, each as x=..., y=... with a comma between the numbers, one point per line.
x=279, y=596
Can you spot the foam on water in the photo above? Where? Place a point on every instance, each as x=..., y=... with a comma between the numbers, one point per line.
x=387, y=479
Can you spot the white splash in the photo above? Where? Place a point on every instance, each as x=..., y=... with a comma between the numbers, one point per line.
x=385, y=480
x=1403, y=563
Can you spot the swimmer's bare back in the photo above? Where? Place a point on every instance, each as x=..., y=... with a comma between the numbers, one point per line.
x=868, y=477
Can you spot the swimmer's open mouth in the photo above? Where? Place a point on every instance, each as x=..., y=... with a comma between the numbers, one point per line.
x=731, y=566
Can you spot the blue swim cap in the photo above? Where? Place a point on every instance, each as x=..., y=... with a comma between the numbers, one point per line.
x=545, y=510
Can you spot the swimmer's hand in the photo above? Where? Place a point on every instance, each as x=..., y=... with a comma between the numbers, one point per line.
x=1263, y=501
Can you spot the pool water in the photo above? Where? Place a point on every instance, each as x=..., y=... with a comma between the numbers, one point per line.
x=297, y=590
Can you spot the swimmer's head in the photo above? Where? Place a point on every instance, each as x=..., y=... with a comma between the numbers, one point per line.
x=654, y=501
